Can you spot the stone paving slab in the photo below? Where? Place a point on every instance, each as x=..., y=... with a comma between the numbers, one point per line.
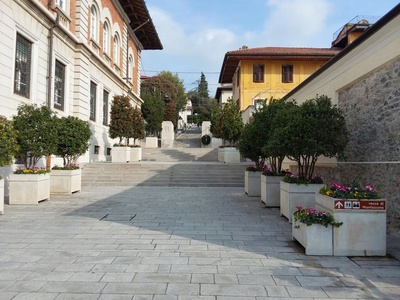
x=134, y=243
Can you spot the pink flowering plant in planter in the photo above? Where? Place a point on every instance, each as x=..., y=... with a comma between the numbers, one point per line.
x=267, y=171
x=34, y=170
x=352, y=190
x=299, y=179
x=310, y=216
x=253, y=168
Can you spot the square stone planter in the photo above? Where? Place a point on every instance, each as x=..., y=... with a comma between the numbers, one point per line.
x=292, y=195
x=1, y=196
x=151, y=142
x=221, y=152
x=29, y=188
x=65, y=182
x=216, y=142
x=270, y=190
x=136, y=154
x=252, y=183
x=120, y=154
x=363, y=232
x=316, y=239
x=231, y=155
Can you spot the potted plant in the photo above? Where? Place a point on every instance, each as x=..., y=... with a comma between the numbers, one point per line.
x=36, y=137
x=313, y=230
x=363, y=213
x=8, y=148
x=153, y=113
x=231, y=129
x=308, y=131
x=215, y=127
x=137, y=133
x=121, y=116
x=73, y=135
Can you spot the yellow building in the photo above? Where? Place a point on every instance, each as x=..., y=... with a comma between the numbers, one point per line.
x=261, y=73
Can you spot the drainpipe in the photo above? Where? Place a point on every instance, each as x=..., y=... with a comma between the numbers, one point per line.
x=50, y=71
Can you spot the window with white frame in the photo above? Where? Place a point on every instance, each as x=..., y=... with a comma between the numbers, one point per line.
x=93, y=97
x=130, y=68
x=105, y=107
x=59, y=85
x=61, y=4
x=22, y=77
x=94, y=20
x=116, y=49
x=106, y=37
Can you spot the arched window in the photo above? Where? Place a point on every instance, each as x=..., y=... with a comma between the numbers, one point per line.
x=94, y=17
x=130, y=68
x=106, y=37
x=116, y=49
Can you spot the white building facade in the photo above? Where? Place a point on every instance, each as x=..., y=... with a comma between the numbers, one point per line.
x=74, y=56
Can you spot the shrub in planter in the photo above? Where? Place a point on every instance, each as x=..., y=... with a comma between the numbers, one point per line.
x=206, y=139
x=36, y=133
x=137, y=125
x=153, y=112
x=231, y=123
x=8, y=142
x=310, y=216
x=73, y=137
x=216, y=120
x=305, y=132
x=121, y=116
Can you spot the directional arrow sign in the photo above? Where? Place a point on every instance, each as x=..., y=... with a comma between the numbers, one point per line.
x=339, y=204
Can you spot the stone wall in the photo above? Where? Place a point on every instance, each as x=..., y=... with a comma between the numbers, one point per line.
x=372, y=110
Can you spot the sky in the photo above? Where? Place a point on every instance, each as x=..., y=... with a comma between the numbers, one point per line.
x=196, y=34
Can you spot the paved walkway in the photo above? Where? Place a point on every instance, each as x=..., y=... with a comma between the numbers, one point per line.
x=172, y=243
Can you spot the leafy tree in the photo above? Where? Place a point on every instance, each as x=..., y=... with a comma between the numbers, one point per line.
x=73, y=137
x=231, y=124
x=251, y=143
x=178, y=83
x=137, y=125
x=153, y=112
x=8, y=142
x=203, y=87
x=121, y=118
x=36, y=133
x=216, y=119
x=307, y=131
x=170, y=112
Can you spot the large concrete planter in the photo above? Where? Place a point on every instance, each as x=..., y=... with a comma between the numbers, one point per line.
x=65, y=182
x=1, y=196
x=292, y=195
x=151, y=142
x=231, y=155
x=136, y=154
x=216, y=142
x=121, y=154
x=270, y=190
x=363, y=232
x=252, y=183
x=29, y=188
x=316, y=239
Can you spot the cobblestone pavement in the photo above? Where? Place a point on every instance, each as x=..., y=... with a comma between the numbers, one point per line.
x=172, y=243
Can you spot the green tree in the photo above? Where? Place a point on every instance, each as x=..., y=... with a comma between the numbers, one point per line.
x=216, y=119
x=36, y=133
x=137, y=125
x=121, y=116
x=8, y=142
x=202, y=88
x=181, y=99
x=73, y=135
x=232, y=123
x=153, y=112
x=307, y=131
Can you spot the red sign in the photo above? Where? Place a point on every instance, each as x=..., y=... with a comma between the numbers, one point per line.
x=360, y=204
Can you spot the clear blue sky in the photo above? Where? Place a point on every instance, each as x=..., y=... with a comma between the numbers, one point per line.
x=197, y=34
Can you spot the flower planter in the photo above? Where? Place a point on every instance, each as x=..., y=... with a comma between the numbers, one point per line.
x=252, y=183
x=292, y=195
x=270, y=190
x=151, y=142
x=363, y=232
x=231, y=155
x=1, y=196
x=316, y=239
x=136, y=154
x=29, y=188
x=121, y=154
x=65, y=182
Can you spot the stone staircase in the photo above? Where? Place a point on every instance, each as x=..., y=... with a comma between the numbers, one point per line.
x=185, y=167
